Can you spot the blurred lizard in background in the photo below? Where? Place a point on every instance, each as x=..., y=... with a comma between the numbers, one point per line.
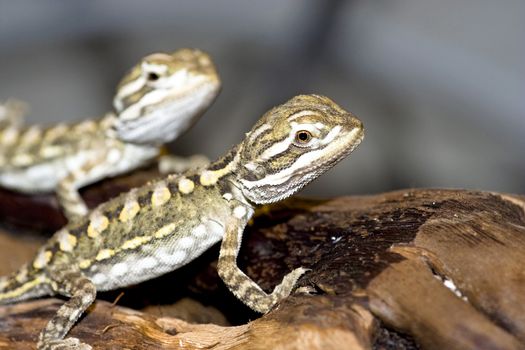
x=156, y=101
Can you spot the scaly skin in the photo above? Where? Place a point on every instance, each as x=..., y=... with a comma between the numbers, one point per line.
x=157, y=100
x=162, y=226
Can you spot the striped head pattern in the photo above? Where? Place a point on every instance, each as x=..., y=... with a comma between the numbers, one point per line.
x=293, y=144
x=162, y=96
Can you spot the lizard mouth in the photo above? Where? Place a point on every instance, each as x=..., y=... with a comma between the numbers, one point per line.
x=165, y=122
x=355, y=137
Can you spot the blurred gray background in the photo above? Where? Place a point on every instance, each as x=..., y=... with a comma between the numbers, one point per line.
x=440, y=85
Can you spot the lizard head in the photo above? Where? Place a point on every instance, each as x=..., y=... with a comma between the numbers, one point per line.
x=293, y=144
x=162, y=96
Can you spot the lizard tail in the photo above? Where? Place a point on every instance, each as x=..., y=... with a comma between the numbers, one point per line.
x=22, y=285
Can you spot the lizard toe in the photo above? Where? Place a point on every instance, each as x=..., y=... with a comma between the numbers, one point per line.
x=65, y=344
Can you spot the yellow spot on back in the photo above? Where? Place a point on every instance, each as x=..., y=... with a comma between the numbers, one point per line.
x=208, y=178
x=104, y=254
x=108, y=121
x=186, y=186
x=97, y=225
x=42, y=259
x=21, y=276
x=22, y=159
x=9, y=136
x=53, y=133
x=129, y=211
x=84, y=264
x=165, y=230
x=86, y=126
x=160, y=195
x=136, y=242
x=50, y=151
x=66, y=241
x=31, y=136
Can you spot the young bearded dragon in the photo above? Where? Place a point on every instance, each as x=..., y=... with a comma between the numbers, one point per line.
x=161, y=226
x=158, y=100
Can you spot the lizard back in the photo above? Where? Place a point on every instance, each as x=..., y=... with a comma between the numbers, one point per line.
x=34, y=159
x=142, y=234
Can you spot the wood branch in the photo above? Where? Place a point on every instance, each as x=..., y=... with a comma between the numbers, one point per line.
x=436, y=269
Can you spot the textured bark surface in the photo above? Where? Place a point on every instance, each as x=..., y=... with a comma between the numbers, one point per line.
x=431, y=269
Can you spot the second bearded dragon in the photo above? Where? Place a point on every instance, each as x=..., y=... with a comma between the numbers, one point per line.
x=157, y=100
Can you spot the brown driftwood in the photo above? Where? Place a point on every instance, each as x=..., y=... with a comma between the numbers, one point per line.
x=436, y=269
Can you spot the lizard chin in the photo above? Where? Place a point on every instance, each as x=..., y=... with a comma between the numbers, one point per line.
x=162, y=124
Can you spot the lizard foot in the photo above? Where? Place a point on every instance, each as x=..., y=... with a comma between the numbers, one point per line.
x=285, y=288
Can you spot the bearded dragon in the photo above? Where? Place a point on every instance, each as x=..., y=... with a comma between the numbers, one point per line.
x=164, y=225
x=156, y=101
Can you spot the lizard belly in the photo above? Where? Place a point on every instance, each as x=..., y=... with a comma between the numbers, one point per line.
x=153, y=260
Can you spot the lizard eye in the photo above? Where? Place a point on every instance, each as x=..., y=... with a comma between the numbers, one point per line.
x=303, y=137
x=152, y=76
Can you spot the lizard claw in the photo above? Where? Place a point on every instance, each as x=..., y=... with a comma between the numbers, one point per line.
x=306, y=290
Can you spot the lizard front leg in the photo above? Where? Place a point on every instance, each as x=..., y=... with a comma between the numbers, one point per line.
x=67, y=193
x=82, y=291
x=68, y=197
x=241, y=285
